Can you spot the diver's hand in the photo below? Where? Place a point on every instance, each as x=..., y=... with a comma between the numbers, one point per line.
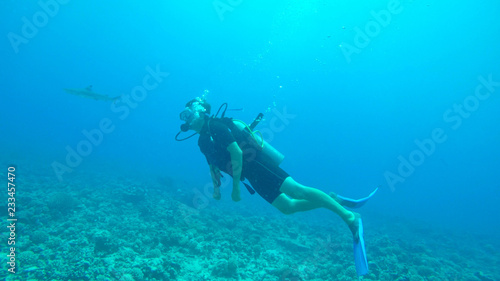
x=216, y=194
x=235, y=195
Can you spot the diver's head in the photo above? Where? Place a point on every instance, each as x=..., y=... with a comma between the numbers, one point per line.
x=195, y=114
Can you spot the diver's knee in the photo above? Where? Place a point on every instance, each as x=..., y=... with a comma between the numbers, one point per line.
x=284, y=205
x=286, y=211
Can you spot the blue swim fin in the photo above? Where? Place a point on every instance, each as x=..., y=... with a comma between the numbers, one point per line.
x=360, y=252
x=354, y=203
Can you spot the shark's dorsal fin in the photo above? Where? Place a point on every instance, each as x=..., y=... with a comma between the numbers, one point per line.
x=89, y=88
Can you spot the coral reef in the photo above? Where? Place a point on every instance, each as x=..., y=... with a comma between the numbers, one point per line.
x=138, y=231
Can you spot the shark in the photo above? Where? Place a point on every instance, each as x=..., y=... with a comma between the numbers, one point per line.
x=88, y=93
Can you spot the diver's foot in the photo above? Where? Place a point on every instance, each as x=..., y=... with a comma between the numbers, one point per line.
x=336, y=198
x=354, y=226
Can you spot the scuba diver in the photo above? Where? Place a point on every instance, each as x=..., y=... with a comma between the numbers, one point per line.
x=232, y=147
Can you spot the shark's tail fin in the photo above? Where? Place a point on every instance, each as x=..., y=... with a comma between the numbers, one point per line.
x=116, y=99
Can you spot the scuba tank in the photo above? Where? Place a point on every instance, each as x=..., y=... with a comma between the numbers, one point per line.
x=268, y=152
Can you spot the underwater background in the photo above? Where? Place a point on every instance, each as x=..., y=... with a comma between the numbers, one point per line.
x=400, y=95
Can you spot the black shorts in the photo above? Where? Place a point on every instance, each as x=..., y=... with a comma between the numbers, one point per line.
x=265, y=179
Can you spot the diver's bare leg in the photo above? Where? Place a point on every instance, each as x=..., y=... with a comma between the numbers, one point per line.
x=308, y=198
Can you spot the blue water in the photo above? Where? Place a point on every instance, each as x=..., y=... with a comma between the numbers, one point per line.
x=356, y=104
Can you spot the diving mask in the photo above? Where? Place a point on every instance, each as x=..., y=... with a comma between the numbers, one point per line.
x=187, y=115
x=193, y=111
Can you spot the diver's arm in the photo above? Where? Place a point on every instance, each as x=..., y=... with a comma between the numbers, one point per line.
x=215, y=173
x=237, y=164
